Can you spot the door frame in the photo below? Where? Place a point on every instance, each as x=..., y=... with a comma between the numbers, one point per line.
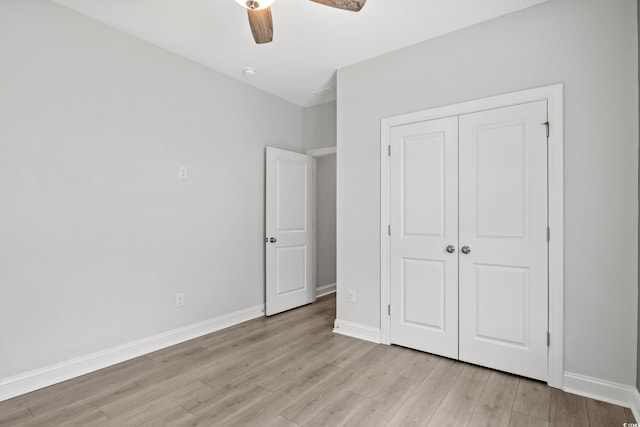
x=553, y=94
x=316, y=154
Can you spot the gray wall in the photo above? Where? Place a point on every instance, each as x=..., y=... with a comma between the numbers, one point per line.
x=319, y=126
x=326, y=221
x=591, y=47
x=97, y=234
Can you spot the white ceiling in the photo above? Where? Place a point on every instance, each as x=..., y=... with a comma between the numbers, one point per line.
x=311, y=41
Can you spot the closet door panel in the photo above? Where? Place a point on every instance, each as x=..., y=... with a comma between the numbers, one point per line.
x=424, y=222
x=503, y=224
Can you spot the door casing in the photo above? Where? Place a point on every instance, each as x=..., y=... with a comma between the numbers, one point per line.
x=554, y=96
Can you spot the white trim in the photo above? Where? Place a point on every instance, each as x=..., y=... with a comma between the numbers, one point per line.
x=322, y=152
x=606, y=391
x=635, y=405
x=314, y=224
x=325, y=290
x=356, y=330
x=44, y=377
x=385, y=239
x=554, y=96
x=555, y=103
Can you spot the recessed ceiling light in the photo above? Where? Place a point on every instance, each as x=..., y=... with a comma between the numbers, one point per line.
x=249, y=72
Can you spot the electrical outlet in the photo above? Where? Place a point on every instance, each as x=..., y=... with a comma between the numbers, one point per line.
x=179, y=299
x=351, y=296
x=183, y=172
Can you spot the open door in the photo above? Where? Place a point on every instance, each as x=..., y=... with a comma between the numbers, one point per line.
x=289, y=231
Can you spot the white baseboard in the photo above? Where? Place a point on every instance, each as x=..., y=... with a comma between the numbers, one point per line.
x=357, y=330
x=44, y=377
x=325, y=290
x=606, y=391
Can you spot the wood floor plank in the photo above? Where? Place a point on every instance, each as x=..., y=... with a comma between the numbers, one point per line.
x=459, y=404
x=67, y=416
x=630, y=417
x=225, y=410
x=155, y=408
x=279, y=422
x=338, y=412
x=376, y=369
x=288, y=371
x=379, y=410
x=342, y=350
x=143, y=397
x=265, y=329
x=63, y=394
x=15, y=402
x=331, y=394
x=567, y=410
x=186, y=365
x=533, y=398
x=487, y=416
x=419, y=365
x=224, y=399
x=84, y=409
x=173, y=418
x=496, y=402
x=83, y=402
x=521, y=420
x=603, y=414
x=236, y=367
x=275, y=404
x=420, y=406
x=93, y=418
x=12, y=416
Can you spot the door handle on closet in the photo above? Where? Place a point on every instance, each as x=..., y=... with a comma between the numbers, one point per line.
x=451, y=249
x=466, y=250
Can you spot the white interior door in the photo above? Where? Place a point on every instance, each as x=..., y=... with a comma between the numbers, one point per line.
x=289, y=233
x=503, y=224
x=424, y=222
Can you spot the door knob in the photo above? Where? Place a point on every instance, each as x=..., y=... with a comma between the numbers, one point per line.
x=466, y=250
x=451, y=249
x=272, y=240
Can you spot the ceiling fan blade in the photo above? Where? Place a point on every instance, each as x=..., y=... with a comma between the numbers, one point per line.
x=261, y=24
x=352, y=5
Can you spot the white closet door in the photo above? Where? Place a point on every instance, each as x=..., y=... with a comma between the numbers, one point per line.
x=424, y=213
x=503, y=223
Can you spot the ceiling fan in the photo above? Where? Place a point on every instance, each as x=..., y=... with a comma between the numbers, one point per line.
x=260, y=15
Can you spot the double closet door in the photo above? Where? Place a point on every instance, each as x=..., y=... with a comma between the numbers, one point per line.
x=469, y=238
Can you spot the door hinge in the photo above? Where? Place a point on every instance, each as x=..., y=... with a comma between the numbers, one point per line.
x=389, y=150
x=548, y=339
x=389, y=229
x=547, y=124
x=389, y=309
x=548, y=234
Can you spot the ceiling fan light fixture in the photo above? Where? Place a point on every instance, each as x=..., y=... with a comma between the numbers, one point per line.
x=255, y=4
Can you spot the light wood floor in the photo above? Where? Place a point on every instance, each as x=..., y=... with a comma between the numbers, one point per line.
x=290, y=370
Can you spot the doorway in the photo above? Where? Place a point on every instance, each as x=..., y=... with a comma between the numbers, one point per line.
x=325, y=219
